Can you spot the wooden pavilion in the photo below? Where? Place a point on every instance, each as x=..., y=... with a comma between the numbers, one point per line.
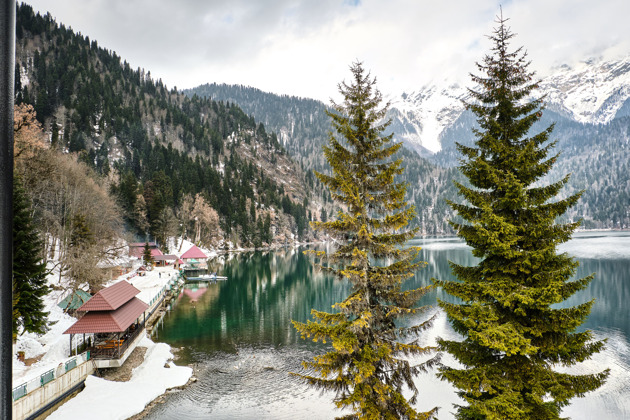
x=115, y=318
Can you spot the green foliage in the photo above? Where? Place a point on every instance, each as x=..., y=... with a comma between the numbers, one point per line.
x=146, y=254
x=80, y=234
x=367, y=368
x=108, y=110
x=307, y=124
x=514, y=333
x=29, y=272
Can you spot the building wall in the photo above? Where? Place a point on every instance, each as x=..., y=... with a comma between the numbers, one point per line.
x=41, y=396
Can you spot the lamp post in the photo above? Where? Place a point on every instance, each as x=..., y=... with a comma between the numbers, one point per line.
x=7, y=73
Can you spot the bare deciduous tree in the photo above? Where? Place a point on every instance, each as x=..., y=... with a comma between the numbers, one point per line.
x=64, y=191
x=28, y=136
x=206, y=221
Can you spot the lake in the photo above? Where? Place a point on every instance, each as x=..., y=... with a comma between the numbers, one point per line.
x=238, y=332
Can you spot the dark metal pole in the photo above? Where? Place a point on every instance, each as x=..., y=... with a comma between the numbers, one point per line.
x=7, y=75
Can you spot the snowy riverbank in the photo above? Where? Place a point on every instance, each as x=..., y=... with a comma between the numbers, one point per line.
x=102, y=398
x=109, y=400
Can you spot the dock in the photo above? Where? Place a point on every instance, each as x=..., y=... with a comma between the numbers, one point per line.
x=205, y=278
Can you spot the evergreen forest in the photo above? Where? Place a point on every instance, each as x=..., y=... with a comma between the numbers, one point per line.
x=154, y=148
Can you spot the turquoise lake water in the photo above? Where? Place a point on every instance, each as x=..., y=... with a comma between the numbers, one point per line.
x=239, y=336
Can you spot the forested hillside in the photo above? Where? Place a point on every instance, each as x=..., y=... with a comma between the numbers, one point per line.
x=232, y=165
x=301, y=124
x=596, y=156
x=174, y=164
x=303, y=128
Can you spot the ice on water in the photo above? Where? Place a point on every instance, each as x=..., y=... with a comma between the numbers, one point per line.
x=608, y=245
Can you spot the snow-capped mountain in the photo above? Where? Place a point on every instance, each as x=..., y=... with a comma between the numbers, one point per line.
x=594, y=91
x=420, y=117
x=591, y=92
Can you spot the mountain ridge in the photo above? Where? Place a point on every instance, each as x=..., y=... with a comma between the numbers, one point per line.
x=596, y=153
x=595, y=92
x=157, y=149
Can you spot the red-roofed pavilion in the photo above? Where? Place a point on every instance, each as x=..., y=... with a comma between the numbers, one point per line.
x=112, y=315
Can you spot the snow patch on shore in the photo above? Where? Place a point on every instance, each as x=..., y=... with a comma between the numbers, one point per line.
x=108, y=400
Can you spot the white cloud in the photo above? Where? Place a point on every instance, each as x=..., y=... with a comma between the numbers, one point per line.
x=304, y=48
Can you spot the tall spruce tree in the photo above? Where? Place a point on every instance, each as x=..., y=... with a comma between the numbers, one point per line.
x=514, y=332
x=368, y=368
x=29, y=271
x=146, y=254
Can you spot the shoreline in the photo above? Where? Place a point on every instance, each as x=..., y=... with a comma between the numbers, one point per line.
x=173, y=358
x=155, y=376
x=222, y=251
x=161, y=399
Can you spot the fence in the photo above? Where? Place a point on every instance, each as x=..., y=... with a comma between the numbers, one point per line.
x=19, y=392
x=71, y=364
x=46, y=377
x=156, y=301
x=32, y=398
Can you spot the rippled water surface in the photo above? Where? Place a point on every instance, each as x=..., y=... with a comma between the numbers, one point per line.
x=239, y=336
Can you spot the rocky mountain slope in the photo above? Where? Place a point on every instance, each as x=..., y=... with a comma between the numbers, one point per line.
x=589, y=105
x=156, y=148
x=304, y=126
x=593, y=92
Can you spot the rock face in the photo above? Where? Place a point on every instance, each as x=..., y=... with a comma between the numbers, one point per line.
x=594, y=92
x=123, y=373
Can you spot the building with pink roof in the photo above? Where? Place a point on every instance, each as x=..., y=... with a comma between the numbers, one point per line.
x=194, y=253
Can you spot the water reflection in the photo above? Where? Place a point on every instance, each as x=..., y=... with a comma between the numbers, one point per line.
x=239, y=334
x=254, y=307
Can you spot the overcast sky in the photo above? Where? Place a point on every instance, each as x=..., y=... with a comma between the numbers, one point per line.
x=304, y=47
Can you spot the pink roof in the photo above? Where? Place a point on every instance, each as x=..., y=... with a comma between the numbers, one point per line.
x=138, y=252
x=110, y=298
x=109, y=321
x=193, y=252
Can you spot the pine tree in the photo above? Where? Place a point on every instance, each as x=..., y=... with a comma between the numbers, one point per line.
x=146, y=254
x=514, y=332
x=367, y=368
x=29, y=272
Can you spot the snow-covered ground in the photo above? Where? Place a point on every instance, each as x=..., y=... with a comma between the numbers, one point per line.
x=148, y=381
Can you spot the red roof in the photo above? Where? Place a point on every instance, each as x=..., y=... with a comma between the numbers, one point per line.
x=193, y=252
x=139, y=252
x=110, y=298
x=109, y=321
